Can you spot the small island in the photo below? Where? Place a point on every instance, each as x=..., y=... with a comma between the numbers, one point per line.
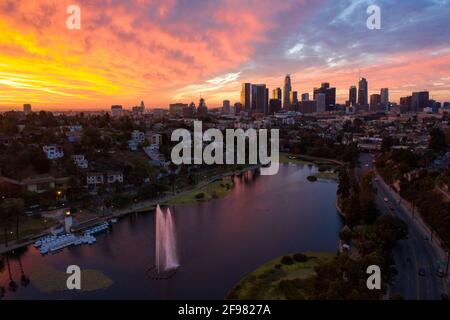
x=285, y=277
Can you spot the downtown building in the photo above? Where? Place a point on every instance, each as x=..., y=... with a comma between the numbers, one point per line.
x=330, y=96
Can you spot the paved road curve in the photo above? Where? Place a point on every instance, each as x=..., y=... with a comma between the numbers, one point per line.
x=411, y=254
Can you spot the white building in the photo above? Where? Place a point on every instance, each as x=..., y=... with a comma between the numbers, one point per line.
x=53, y=151
x=112, y=177
x=138, y=136
x=80, y=161
x=321, y=102
x=94, y=178
x=154, y=138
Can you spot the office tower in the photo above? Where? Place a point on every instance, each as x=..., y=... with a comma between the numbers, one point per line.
x=321, y=102
x=259, y=99
x=308, y=106
x=276, y=94
x=226, y=106
x=266, y=102
x=202, y=110
x=384, y=97
x=293, y=99
x=238, y=108
x=420, y=100
x=26, y=108
x=246, y=97
x=305, y=96
x=330, y=96
x=116, y=110
x=363, y=96
x=375, y=102
x=177, y=108
x=274, y=106
x=287, y=92
x=352, y=94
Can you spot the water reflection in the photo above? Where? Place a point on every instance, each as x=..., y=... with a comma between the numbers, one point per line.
x=219, y=242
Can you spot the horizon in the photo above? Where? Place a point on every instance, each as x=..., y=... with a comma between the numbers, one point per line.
x=155, y=52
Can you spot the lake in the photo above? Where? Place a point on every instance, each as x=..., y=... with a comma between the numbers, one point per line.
x=219, y=242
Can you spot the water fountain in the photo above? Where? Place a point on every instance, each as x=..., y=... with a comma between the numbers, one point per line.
x=166, y=258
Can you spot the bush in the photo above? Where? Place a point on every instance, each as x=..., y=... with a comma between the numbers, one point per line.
x=200, y=196
x=300, y=257
x=287, y=260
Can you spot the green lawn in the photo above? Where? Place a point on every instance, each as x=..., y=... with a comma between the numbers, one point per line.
x=264, y=282
x=214, y=190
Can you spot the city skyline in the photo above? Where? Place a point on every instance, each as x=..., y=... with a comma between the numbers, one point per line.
x=128, y=52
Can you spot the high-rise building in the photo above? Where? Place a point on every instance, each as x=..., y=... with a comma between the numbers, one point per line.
x=287, y=92
x=352, y=96
x=202, y=110
x=276, y=94
x=305, y=96
x=384, y=98
x=177, y=108
x=246, y=97
x=116, y=110
x=293, y=99
x=274, y=106
x=238, y=108
x=226, y=106
x=375, y=102
x=308, y=106
x=259, y=98
x=189, y=111
x=363, y=92
x=321, y=102
x=420, y=100
x=26, y=108
x=330, y=96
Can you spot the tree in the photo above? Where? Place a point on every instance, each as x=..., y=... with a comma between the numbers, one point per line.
x=14, y=208
x=437, y=140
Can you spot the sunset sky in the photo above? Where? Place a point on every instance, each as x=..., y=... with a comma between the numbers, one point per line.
x=176, y=50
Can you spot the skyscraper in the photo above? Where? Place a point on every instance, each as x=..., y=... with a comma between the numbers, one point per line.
x=305, y=96
x=226, y=106
x=352, y=94
x=293, y=100
x=363, y=98
x=321, y=102
x=287, y=92
x=330, y=96
x=384, y=97
x=259, y=100
x=276, y=94
x=246, y=97
x=26, y=108
x=375, y=102
x=420, y=100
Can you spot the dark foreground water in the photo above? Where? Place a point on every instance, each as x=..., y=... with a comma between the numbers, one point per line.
x=219, y=242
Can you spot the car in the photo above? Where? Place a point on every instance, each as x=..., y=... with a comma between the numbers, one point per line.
x=422, y=272
x=440, y=273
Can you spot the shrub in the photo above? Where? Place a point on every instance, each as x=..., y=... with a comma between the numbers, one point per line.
x=200, y=196
x=287, y=260
x=300, y=257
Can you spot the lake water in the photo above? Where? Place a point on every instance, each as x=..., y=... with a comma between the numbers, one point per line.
x=219, y=242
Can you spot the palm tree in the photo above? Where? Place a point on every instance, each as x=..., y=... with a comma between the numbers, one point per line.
x=4, y=217
x=14, y=208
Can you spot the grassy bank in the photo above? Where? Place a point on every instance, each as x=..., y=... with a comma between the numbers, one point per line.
x=272, y=280
x=28, y=226
x=214, y=190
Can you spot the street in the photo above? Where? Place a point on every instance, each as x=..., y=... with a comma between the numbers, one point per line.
x=413, y=254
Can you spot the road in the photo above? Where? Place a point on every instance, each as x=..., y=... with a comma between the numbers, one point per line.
x=412, y=254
